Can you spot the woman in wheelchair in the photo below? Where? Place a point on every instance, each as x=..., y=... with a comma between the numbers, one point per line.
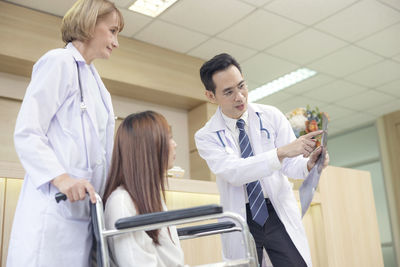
x=143, y=152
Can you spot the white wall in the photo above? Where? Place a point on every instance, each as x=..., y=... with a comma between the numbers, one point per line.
x=177, y=118
x=12, y=86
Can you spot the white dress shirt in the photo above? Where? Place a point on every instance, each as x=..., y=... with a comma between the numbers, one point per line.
x=231, y=124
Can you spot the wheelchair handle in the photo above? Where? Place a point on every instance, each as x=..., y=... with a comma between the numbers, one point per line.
x=60, y=196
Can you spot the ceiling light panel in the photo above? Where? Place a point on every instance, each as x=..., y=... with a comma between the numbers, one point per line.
x=151, y=8
x=280, y=83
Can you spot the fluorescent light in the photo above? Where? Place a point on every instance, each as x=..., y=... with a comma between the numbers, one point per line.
x=280, y=83
x=151, y=8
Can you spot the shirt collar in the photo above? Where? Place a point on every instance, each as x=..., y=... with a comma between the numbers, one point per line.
x=231, y=123
x=75, y=52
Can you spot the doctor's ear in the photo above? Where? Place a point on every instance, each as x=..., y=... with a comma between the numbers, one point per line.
x=210, y=96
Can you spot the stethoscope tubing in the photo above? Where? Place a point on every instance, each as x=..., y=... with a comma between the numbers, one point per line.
x=261, y=129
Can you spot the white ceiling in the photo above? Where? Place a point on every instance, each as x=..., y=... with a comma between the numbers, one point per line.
x=354, y=45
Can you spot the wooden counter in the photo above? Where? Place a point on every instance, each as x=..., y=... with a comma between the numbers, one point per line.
x=341, y=223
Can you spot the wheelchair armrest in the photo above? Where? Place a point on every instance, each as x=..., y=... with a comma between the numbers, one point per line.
x=166, y=216
x=192, y=230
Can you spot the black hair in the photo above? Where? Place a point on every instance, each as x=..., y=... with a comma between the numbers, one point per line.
x=217, y=63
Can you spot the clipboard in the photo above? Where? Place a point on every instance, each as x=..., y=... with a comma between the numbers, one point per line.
x=324, y=143
x=307, y=189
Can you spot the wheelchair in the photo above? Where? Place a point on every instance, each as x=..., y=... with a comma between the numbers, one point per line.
x=151, y=221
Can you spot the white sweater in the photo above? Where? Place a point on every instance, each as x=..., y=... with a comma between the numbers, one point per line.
x=138, y=249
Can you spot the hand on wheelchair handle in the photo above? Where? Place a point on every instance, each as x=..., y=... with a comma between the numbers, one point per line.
x=60, y=196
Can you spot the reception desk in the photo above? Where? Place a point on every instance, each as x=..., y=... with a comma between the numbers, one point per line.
x=341, y=223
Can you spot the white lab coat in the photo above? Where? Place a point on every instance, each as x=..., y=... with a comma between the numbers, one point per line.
x=232, y=171
x=53, y=136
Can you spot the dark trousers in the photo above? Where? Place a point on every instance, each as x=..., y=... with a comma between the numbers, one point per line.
x=276, y=241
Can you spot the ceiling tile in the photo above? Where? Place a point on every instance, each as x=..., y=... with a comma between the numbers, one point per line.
x=257, y=3
x=393, y=3
x=260, y=29
x=297, y=102
x=360, y=20
x=303, y=47
x=366, y=100
x=275, y=99
x=317, y=80
x=124, y=3
x=170, y=36
x=351, y=122
x=335, y=91
x=345, y=61
x=392, y=88
x=386, y=109
x=386, y=42
x=336, y=112
x=133, y=22
x=378, y=74
x=48, y=6
x=263, y=68
x=307, y=12
x=206, y=16
x=216, y=46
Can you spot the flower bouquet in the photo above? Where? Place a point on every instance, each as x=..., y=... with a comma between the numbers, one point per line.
x=306, y=120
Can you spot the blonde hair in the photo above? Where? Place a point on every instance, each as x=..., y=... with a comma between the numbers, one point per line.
x=80, y=20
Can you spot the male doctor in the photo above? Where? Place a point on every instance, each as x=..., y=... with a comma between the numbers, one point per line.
x=251, y=148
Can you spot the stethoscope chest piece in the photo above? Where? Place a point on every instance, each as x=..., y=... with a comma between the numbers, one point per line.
x=83, y=107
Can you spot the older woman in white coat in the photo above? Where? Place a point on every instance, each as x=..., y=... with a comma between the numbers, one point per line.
x=64, y=137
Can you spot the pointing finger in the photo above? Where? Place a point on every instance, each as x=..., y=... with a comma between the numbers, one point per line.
x=313, y=134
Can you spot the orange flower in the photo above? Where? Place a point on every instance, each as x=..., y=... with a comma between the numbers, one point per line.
x=311, y=126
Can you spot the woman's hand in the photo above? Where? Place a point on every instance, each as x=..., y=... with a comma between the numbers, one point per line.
x=75, y=189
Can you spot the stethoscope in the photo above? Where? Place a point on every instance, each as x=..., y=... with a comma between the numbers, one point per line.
x=261, y=129
x=83, y=105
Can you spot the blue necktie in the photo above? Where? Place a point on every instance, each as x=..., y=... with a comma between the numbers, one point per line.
x=258, y=207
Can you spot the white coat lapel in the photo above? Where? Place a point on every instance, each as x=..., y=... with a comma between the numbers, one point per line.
x=90, y=107
x=255, y=132
x=106, y=97
x=217, y=124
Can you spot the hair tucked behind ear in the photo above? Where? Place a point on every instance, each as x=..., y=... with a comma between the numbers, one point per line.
x=140, y=161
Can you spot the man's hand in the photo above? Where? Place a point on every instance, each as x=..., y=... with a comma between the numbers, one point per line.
x=75, y=189
x=304, y=145
x=314, y=157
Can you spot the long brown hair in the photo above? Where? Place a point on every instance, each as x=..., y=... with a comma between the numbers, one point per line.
x=140, y=161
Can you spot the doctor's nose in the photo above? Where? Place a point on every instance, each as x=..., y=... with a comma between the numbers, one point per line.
x=239, y=96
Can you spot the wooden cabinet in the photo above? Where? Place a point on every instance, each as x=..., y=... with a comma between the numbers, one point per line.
x=9, y=192
x=341, y=223
x=389, y=142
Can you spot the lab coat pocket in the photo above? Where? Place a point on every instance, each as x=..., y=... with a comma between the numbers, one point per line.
x=268, y=140
x=289, y=205
x=78, y=210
